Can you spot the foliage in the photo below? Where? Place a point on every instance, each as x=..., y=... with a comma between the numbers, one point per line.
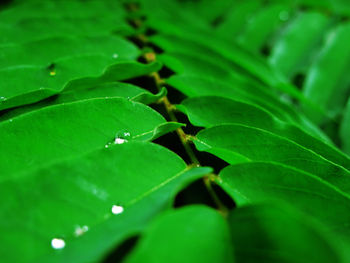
x=175, y=131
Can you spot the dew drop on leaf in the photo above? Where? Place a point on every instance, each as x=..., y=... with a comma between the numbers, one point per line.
x=80, y=230
x=117, y=209
x=58, y=243
x=115, y=55
x=122, y=137
x=2, y=98
x=119, y=140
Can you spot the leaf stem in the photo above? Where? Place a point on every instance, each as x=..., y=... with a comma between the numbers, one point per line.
x=184, y=138
x=170, y=110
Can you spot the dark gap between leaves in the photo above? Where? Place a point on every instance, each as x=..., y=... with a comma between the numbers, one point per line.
x=196, y=193
x=144, y=82
x=4, y=3
x=265, y=50
x=166, y=72
x=331, y=129
x=150, y=32
x=142, y=59
x=158, y=50
x=133, y=23
x=217, y=21
x=118, y=254
x=225, y=199
x=189, y=129
x=210, y=160
x=298, y=80
x=172, y=142
x=176, y=96
x=136, y=41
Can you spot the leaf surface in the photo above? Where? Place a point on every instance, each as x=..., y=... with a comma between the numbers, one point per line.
x=330, y=74
x=226, y=111
x=28, y=84
x=194, y=234
x=257, y=182
x=43, y=136
x=259, y=145
x=268, y=233
x=105, y=196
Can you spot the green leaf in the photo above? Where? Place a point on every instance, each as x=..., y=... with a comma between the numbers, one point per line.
x=109, y=193
x=257, y=182
x=329, y=74
x=226, y=111
x=33, y=29
x=147, y=98
x=263, y=25
x=104, y=90
x=45, y=51
x=295, y=49
x=37, y=20
x=238, y=17
x=43, y=136
x=30, y=84
x=237, y=89
x=345, y=129
x=60, y=9
x=265, y=233
x=194, y=234
x=259, y=145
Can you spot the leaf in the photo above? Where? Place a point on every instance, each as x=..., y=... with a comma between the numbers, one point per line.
x=237, y=17
x=147, y=98
x=104, y=90
x=45, y=51
x=43, y=136
x=263, y=25
x=110, y=193
x=345, y=129
x=260, y=145
x=257, y=182
x=193, y=86
x=30, y=84
x=61, y=9
x=226, y=111
x=33, y=29
x=194, y=234
x=295, y=49
x=209, y=10
x=37, y=20
x=329, y=74
x=268, y=233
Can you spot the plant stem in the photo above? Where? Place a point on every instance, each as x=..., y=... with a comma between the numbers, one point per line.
x=184, y=138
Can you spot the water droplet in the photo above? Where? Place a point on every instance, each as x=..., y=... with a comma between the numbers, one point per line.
x=58, y=243
x=2, y=98
x=119, y=140
x=117, y=209
x=80, y=230
x=284, y=15
x=10, y=120
x=115, y=55
x=122, y=137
